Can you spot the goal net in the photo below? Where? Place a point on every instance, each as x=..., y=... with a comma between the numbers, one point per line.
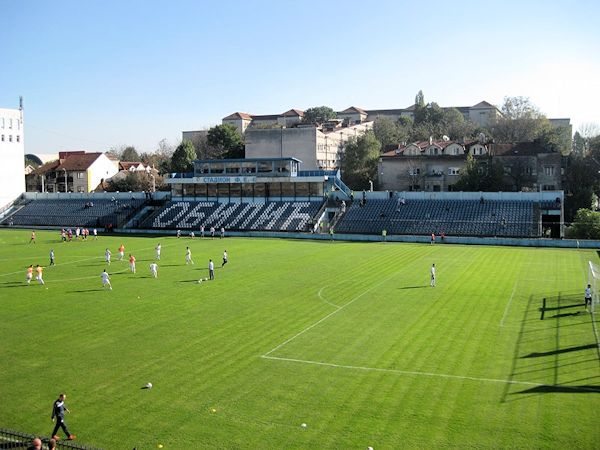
x=594, y=282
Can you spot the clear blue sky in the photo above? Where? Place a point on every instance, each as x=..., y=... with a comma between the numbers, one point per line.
x=102, y=74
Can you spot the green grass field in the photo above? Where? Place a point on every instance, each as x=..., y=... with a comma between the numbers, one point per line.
x=348, y=338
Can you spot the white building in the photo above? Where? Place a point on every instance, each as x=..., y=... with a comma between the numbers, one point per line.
x=12, y=154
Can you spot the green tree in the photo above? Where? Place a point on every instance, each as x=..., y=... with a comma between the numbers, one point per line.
x=360, y=160
x=130, y=154
x=470, y=178
x=480, y=175
x=580, y=183
x=319, y=114
x=556, y=139
x=224, y=142
x=586, y=224
x=183, y=157
x=388, y=132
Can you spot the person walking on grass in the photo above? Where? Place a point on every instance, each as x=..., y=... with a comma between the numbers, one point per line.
x=188, y=256
x=432, y=283
x=588, y=296
x=105, y=280
x=224, y=259
x=58, y=414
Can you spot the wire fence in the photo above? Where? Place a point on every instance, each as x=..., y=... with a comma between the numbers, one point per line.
x=11, y=439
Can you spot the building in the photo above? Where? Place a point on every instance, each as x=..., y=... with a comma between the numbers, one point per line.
x=317, y=148
x=75, y=171
x=12, y=154
x=436, y=166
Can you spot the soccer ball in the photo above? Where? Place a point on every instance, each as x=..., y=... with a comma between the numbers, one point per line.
x=303, y=425
x=149, y=385
x=200, y=281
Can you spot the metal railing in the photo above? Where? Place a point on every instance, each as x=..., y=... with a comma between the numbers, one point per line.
x=17, y=440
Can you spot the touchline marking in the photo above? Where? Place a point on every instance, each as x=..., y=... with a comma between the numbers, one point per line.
x=403, y=372
x=509, y=302
x=329, y=303
x=327, y=316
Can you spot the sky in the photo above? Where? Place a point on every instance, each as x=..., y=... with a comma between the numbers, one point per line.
x=97, y=75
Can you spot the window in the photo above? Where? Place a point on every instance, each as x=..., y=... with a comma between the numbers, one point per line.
x=414, y=171
x=548, y=187
x=2, y=138
x=548, y=170
x=2, y=122
x=80, y=175
x=453, y=171
x=18, y=138
x=10, y=138
x=10, y=123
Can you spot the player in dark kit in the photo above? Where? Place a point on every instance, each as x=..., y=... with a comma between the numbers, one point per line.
x=58, y=412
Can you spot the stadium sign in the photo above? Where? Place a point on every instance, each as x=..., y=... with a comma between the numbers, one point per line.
x=215, y=180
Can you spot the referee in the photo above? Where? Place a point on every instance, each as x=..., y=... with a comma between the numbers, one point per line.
x=58, y=412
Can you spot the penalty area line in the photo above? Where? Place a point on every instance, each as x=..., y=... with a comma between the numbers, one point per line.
x=402, y=372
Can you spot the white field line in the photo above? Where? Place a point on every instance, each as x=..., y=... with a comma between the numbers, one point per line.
x=403, y=372
x=509, y=302
x=328, y=316
x=326, y=301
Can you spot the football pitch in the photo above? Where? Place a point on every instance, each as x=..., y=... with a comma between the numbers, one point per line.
x=348, y=339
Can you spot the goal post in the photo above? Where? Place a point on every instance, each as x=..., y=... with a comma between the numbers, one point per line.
x=594, y=282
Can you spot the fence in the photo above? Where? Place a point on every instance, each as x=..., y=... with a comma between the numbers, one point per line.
x=17, y=440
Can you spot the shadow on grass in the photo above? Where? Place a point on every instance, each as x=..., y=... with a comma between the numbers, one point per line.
x=413, y=287
x=86, y=290
x=549, y=389
x=560, y=350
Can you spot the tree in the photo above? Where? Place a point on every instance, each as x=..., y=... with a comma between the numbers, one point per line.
x=586, y=224
x=135, y=182
x=360, y=160
x=388, y=132
x=183, y=157
x=580, y=182
x=522, y=121
x=556, y=139
x=224, y=142
x=130, y=154
x=161, y=158
x=480, y=175
x=319, y=114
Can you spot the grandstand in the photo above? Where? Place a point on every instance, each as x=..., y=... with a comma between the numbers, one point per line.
x=55, y=210
x=449, y=216
x=272, y=195
x=271, y=216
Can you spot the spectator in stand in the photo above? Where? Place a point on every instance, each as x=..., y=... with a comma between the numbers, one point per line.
x=432, y=238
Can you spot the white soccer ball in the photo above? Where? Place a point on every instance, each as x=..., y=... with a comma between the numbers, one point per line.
x=200, y=281
x=149, y=385
x=303, y=425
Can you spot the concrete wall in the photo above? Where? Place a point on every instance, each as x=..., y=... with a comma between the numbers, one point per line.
x=299, y=143
x=12, y=154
